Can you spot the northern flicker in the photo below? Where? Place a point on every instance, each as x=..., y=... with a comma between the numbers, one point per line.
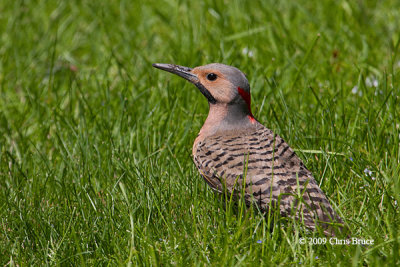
x=236, y=153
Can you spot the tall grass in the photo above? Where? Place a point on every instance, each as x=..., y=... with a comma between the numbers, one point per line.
x=95, y=144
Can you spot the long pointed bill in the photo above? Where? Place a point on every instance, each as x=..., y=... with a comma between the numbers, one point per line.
x=181, y=71
x=186, y=73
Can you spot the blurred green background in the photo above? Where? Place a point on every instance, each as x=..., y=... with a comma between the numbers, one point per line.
x=95, y=163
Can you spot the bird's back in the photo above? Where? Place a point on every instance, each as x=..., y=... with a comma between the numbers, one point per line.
x=269, y=170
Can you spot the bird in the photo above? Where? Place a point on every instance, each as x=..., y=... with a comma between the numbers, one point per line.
x=236, y=154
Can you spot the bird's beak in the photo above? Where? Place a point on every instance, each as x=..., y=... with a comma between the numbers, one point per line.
x=182, y=71
x=187, y=74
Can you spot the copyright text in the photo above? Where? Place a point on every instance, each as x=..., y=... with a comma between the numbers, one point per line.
x=335, y=241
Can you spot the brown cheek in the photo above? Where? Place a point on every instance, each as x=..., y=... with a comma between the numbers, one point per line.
x=221, y=90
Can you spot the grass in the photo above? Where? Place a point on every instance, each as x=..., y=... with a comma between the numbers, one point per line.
x=95, y=144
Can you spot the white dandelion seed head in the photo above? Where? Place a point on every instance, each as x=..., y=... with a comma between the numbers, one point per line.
x=247, y=52
x=368, y=82
x=356, y=90
x=368, y=172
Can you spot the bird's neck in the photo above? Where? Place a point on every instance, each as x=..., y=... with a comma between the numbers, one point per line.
x=224, y=117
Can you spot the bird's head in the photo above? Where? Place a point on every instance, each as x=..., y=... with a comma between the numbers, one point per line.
x=219, y=83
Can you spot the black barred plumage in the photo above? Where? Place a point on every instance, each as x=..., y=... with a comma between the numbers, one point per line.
x=234, y=152
x=227, y=169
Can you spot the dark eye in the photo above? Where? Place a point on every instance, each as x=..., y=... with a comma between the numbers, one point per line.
x=212, y=76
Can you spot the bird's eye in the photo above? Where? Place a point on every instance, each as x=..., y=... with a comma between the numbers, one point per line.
x=212, y=76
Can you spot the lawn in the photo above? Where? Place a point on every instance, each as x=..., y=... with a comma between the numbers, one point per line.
x=95, y=144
